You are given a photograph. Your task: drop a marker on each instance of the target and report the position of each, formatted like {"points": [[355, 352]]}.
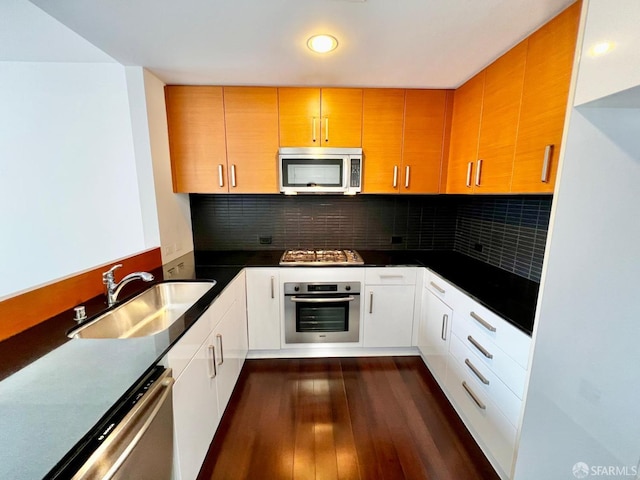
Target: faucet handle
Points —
{"points": [[108, 275]]}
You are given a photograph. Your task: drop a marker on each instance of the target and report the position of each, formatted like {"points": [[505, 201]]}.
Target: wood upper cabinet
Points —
{"points": [[465, 132], [251, 117], [195, 117], [313, 117], [382, 127], [499, 121], [426, 133], [544, 101]]}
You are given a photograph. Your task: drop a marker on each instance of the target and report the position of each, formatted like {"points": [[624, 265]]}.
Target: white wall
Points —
{"points": [[174, 213], [69, 197], [584, 386]]}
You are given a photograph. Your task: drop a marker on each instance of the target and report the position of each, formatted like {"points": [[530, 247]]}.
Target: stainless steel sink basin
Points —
{"points": [[151, 312]]}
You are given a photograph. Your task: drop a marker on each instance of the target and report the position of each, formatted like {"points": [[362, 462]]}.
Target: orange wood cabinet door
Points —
{"points": [[195, 116], [465, 132], [382, 126], [299, 117], [251, 117], [425, 132], [341, 117], [544, 101], [499, 124]]}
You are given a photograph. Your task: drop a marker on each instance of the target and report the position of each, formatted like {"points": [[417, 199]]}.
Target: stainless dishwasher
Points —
{"points": [[135, 441]]}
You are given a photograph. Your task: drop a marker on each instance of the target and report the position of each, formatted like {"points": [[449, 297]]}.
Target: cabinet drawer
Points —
{"points": [[485, 325], [488, 353], [487, 381], [442, 289], [391, 276], [481, 415]]}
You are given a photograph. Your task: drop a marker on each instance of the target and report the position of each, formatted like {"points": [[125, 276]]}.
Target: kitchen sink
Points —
{"points": [[151, 312]]}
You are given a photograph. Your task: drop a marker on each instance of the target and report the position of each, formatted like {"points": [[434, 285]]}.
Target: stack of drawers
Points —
{"points": [[486, 373]]}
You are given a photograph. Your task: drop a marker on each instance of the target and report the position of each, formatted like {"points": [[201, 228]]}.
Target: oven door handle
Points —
{"points": [[322, 300]]}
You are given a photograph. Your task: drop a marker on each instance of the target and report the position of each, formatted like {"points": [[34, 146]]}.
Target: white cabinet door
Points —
{"points": [[263, 308], [230, 337], [434, 333], [195, 412], [388, 317]]}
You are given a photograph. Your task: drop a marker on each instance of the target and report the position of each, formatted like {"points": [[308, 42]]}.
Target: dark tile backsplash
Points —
{"points": [[510, 229]]}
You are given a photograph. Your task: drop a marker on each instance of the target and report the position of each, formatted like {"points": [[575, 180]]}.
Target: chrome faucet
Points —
{"points": [[112, 289]]}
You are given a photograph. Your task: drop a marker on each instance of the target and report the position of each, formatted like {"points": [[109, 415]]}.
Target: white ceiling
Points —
{"points": [[386, 43]]}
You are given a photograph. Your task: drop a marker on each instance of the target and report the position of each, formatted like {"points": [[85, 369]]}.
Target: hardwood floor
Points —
{"points": [[342, 418]]}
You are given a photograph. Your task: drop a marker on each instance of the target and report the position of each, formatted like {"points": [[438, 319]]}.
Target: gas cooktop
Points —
{"points": [[321, 257]]}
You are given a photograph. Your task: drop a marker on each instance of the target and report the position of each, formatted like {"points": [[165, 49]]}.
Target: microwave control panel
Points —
{"points": [[355, 172]]}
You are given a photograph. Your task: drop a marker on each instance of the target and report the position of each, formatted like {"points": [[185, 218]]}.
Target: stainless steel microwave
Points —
{"points": [[320, 170]]}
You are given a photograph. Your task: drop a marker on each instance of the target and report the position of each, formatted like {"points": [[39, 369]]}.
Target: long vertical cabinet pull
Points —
{"points": [[395, 176], [212, 355], [469, 171], [313, 129], [326, 129], [371, 302], [406, 177], [445, 321], [233, 176], [548, 153], [273, 287], [478, 173], [220, 175], [219, 337]]}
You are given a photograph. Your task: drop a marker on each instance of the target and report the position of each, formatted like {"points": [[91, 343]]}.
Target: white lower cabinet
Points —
{"points": [[480, 360], [263, 308], [434, 333], [388, 316], [204, 385]]}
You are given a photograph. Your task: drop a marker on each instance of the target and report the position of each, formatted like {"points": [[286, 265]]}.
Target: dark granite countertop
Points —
{"points": [[508, 295]]}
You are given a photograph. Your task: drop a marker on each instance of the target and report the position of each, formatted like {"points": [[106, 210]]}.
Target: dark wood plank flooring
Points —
{"points": [[342, 418]]}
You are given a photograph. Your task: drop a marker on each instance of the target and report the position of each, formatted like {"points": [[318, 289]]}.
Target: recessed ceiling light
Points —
{"points": [[322, 43], [601, 48]]}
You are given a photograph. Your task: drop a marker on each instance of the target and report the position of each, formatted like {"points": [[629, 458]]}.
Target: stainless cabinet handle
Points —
{"points": [[469, 170], [480, 348], [220, 176], [273, 287], [482, 322], [437, 287], [212, 352], [478, 173], [326, 129], [233, 176], [548, 153], [475, 398], [219, 337], [406, 177], [371, 302], [313, 129], [395, 176], [322, 300], [445, 322], [477, 373]]}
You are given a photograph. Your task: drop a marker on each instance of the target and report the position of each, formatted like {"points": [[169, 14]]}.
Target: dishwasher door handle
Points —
{"points": [[111, 456]]}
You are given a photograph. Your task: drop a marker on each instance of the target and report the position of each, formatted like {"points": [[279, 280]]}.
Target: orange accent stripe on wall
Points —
{"points": [[31, 308]]}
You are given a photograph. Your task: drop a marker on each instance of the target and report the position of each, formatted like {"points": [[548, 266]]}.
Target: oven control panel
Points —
{"points": [[323, 288]]}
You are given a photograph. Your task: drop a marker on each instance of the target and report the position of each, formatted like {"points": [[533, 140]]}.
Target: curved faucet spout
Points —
{"points": [[113, 289]]}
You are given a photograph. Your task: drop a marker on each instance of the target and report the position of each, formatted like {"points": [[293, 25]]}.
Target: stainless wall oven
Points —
{"points": [[322, 312]]}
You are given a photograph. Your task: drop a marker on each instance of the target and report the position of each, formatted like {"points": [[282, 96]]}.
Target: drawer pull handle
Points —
{"points": [[480, 348], [445, 322], [482, 322], [474, 396], [437, 287], [477, 373]]}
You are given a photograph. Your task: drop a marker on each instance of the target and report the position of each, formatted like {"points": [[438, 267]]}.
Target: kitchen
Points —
{"points": [[122, 179]]}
